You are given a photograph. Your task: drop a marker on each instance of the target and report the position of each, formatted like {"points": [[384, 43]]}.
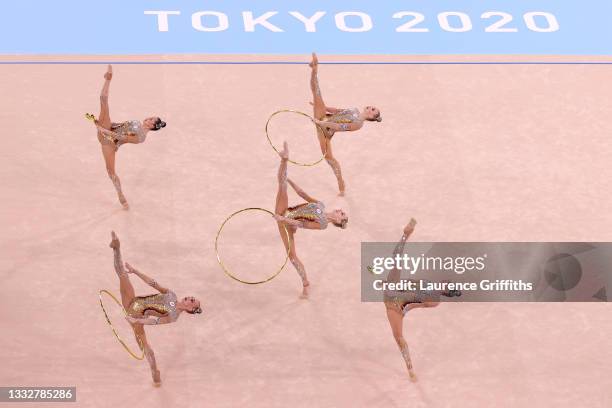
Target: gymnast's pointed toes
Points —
{"points": [[114, 241], [108, 75], [305, 292], [284, 154], [157, 378], [124, 202], [314, 61]]}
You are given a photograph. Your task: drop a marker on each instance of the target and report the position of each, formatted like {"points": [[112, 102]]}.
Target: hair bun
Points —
{"points": [[197, 310], [379, 119], [159, 124]]}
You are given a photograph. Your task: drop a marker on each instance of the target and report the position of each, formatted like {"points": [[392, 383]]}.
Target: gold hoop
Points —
{"points": [[227, 271], [104, 291], [90, 116], [299, 113]]}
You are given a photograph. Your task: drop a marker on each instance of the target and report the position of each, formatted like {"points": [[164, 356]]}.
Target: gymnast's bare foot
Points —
{"points": [[156, 378], [108, 75], [284, 154], [341, 183], [305, 291], [115, 241], [314, 63], [409, 229], [123, 201]]}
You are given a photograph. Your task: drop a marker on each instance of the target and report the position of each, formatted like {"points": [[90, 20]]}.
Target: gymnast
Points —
{"points": [[398, 303], [309, 215], [333, 120], [112, 135], [161, 308]]}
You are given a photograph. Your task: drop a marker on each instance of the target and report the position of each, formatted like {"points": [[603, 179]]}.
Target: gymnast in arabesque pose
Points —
{"points": [[309, 215], [398, 303], [160, 308], [112, 135], [332, 120]]}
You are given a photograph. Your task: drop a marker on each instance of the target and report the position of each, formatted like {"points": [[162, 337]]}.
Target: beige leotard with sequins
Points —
{"points": [[309, 212], [162, 303], [398, 300], [345, 117], [119, 132], [130, 127]]}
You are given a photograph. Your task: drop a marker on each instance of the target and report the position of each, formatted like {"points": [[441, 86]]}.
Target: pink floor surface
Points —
{"points": [[499, 153]]}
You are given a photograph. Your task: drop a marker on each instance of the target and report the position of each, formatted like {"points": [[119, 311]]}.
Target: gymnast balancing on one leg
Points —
{"points": [[161, 308], [335, 120], [399, 303], [310, 215], [112, 135]]}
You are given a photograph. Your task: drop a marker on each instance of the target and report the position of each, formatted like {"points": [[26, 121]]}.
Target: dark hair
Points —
{"points": [[197, 310], [159, 124], [341, 224]]}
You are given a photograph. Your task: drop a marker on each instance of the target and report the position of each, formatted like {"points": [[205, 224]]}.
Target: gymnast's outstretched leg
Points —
{"points": [[109, 149], [395, 314], [299, 267], [127, 296], [335, 165], [141, 338], [319, 109], [319, 112], [396, 322], [125, 286], [104, 117], [282, 203]]}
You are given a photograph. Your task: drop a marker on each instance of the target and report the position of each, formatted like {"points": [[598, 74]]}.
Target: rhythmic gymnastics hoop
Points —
{"points": [[134, 355], [227, 271], [277, 151]]}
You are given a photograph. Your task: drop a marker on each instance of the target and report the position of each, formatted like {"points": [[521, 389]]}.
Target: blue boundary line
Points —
{"points": [[301, 63]]}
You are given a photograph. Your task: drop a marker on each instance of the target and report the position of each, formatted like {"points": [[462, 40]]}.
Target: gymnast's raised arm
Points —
{"points": [[301, 192], [394, 275], [151, 282]]}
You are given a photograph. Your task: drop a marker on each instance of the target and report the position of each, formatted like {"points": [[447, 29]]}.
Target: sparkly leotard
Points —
{"points": [[309, 212], [344, 117], [398, 300], [124, 129], [162, 303]]}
